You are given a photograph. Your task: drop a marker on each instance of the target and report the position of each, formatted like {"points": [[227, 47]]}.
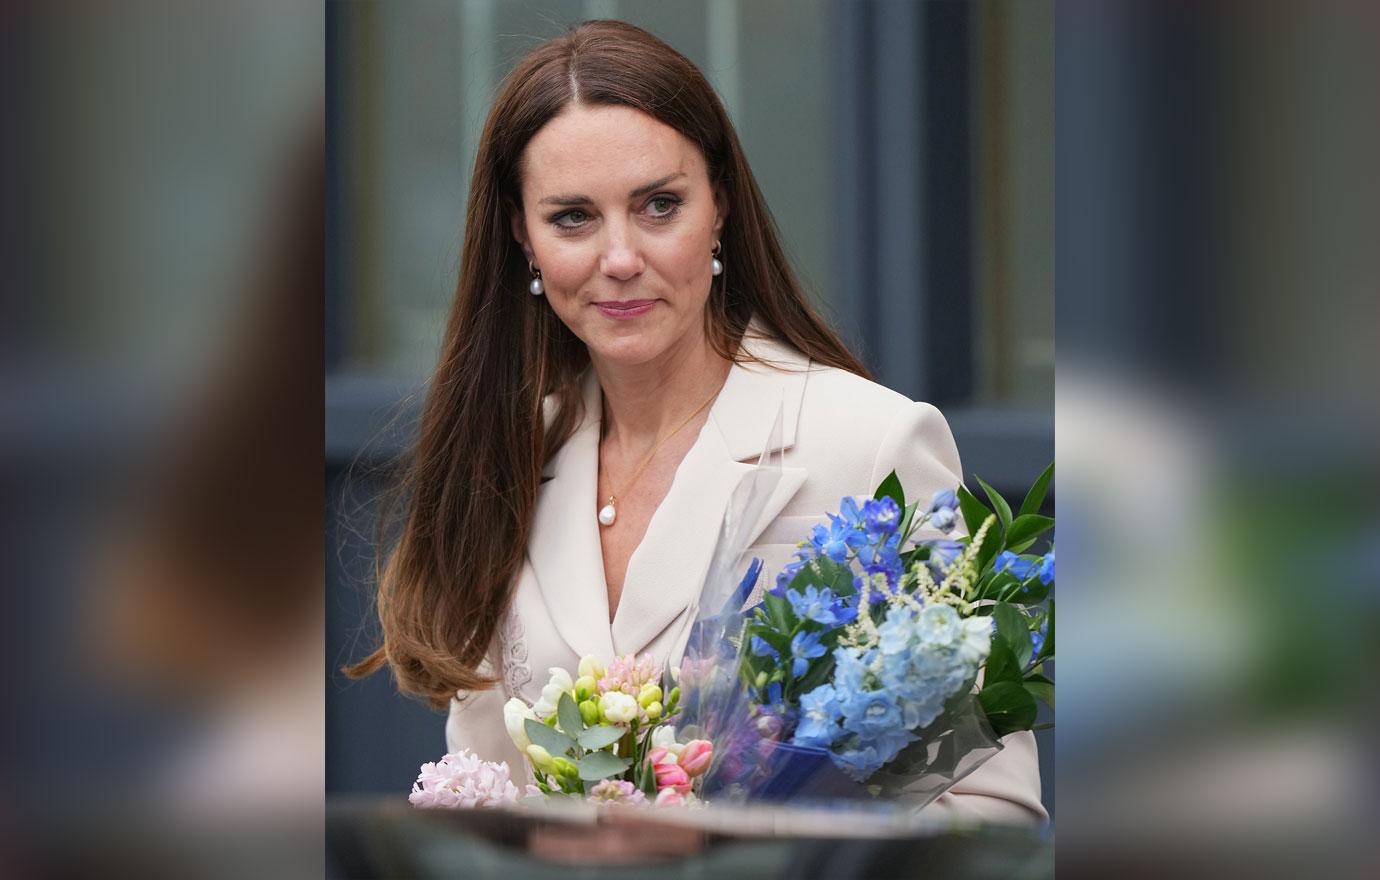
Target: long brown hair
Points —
{"points": [[470, 489]]}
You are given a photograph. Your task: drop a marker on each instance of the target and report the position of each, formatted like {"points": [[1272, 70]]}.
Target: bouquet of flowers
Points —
{"points": [[603, 736], [856, 674]]}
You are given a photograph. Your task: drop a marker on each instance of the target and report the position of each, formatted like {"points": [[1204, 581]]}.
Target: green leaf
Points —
{"points": [[999, 504], [1047, 648], [1041, 688], [601, 765], [1013, 628], [568, 714], [974, 512], [1009, 707], [779, 612], [777, 640], [1036, 496], [552, 740], [1034, 593], [838, 578], [891, 488], [602, 735], [1026, 527], [1001, 666], [907, 517]]}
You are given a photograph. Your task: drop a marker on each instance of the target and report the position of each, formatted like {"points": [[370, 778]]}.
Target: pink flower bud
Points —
{"points": [[669, 797], [696, 757], [658, 755], [672, 776]]}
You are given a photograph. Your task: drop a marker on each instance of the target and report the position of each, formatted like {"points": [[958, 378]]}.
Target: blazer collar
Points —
{"points": [[667, 570]]}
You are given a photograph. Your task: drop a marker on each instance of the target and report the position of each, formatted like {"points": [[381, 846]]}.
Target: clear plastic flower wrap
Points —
{"points": [[856, 675]]}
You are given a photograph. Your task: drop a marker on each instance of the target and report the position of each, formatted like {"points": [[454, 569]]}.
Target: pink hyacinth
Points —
{"points": [[462, 780], [611, 791], [628, 674]]}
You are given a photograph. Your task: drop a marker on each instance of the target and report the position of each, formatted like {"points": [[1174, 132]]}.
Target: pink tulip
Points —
{"points": [[669, 797], [657, 755], [672, 776], [696, 756]]}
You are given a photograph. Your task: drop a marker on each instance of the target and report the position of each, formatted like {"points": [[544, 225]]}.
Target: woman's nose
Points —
{"points": [[622, 258]]}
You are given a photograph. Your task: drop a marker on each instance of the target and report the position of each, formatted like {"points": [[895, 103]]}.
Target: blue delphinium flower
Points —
{"points": [[805, 647], [1037, 640], [880, 516], [835, 539], [814, 604], [1019, 567], [942, 556], [944, 499], [871, 714], [761, 648], [943, 520], [819, 713], [895, 633], [1047, 568]]}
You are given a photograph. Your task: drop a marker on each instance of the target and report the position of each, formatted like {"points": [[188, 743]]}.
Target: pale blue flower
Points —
{"points": [[819, 712], [1047, 568], [805, 647], [944, 499], [944, 520], [1019, 567], [895, 633], [871, 714], [814, 604]]}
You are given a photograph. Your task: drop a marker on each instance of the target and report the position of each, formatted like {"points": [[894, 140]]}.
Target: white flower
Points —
{"points": [[462, 780], [589, 665], [618, 707], [515, 712], [664, 737], [560, 683], [976, 642]]}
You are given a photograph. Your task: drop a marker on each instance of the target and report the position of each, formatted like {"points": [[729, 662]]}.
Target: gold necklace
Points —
{"points": [[609, 512]]}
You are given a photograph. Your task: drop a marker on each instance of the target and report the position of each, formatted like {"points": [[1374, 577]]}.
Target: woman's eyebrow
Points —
{"points": [[571, 201]]}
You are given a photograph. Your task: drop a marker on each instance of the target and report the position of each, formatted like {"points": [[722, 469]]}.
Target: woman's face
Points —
{"points": [[619, 215]]}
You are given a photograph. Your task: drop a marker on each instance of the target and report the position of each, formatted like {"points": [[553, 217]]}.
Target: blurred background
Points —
{"points": [[906, 151]]}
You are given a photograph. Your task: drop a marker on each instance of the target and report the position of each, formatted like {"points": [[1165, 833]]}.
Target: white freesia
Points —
{"points": [[618, 707], [665, 737], [515, 712], [560, 683]]}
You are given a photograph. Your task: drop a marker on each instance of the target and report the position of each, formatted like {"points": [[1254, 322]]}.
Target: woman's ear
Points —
{"points": [[720, 208], [519, 227]]}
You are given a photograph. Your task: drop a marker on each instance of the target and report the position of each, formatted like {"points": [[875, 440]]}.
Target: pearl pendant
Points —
{"points": [[607, 514], [716, 267], [536, 287]]}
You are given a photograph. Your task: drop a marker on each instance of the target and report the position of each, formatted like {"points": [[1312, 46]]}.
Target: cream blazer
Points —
{"points": [[841, 436]]}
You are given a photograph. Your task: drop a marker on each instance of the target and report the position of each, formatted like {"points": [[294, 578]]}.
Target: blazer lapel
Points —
{"points": [[564, 548], [667, 571]]}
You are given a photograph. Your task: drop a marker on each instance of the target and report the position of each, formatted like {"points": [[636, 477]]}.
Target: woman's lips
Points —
{"points": [[622, 311]]}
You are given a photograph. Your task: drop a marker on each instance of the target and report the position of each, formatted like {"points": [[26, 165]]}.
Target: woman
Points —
{"points": [[624, 333]]}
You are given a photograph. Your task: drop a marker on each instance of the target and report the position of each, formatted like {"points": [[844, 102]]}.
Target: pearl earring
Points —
{"points": [[536, 288], [715, 266]]}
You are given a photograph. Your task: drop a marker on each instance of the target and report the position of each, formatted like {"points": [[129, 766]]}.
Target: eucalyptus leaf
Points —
{"points": [[1009, 707], [548, 738], [891, 488], [568, 714], [601, 765], [1036, 496], [601, 735]]}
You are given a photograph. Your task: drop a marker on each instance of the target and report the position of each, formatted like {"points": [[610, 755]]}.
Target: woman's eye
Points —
{"points": [[662, 206], [571, 219]]}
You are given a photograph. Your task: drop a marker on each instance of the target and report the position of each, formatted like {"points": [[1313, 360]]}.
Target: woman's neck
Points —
{"points": [[644, 403]]}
